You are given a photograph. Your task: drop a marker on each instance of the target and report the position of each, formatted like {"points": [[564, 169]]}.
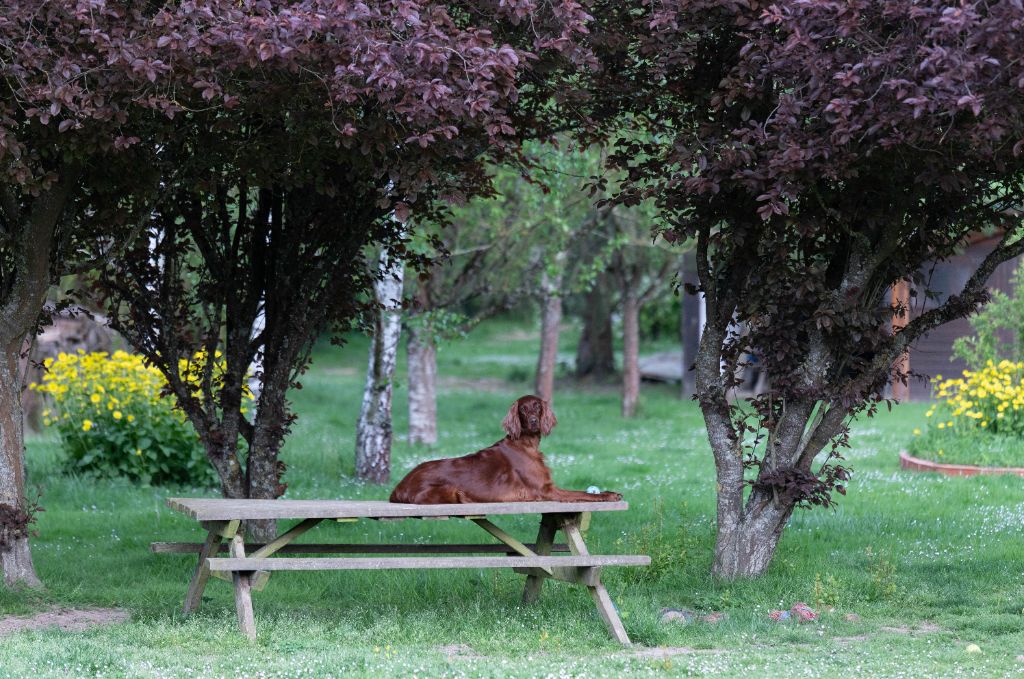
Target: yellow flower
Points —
{"points": [[86, 425], [138, 451], [917, 432], [950, 423], [942, 425], [95, 398], [131, 418], [117, 415]]}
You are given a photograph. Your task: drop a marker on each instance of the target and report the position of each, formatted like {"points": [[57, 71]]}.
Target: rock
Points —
{"points": [[803, 613], [851, 617], [973, 648], [683, 616]]}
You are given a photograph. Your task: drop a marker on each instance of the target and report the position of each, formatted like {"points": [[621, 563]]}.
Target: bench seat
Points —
{"points": [[293, 564]]}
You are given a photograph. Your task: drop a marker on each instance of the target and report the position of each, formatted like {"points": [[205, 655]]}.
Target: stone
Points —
{"points": [[682, 616]]}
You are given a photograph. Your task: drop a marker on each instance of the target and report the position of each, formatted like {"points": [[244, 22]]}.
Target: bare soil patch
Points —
{"points": [[67, 619], [919, 628], [662, 652]]}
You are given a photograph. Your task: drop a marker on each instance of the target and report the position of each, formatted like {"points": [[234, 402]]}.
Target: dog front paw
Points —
{"points": [[611, 497]]}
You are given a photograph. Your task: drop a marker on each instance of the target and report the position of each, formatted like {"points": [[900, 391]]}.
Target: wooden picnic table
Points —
{"points": [[249, 566]]}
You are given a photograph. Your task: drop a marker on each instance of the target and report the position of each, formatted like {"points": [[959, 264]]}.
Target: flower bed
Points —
{"points": [[976, 422], [916, 464]]}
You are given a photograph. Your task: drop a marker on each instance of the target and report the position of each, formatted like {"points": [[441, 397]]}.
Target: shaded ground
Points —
{"points": [[66, 619]]}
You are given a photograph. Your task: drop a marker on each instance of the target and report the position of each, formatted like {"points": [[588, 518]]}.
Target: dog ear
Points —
{"points": [[547, 418], [511, 423]]}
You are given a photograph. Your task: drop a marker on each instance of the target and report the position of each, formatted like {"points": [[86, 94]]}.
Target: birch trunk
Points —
{"points": [[374, 430], [422, 376], [630, 350], [551, 319]]}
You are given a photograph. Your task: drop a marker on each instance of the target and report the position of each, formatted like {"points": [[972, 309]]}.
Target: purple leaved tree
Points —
{"points": [[818, 153], [309, 133]]}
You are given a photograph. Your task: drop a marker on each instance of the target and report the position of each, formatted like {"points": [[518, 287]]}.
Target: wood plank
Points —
{"points": [[605, 607], [284, 538], [259, 580], [243, 596], [329, 564], [509, 540], [545, 537], [201, 574], [218, 509], [377, 548], [575, 576]]}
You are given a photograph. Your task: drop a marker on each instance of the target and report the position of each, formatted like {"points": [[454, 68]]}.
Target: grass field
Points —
{"points": [[928, 564]]}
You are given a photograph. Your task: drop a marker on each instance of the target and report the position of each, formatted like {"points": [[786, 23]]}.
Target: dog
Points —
{"points": [[512, 470]]}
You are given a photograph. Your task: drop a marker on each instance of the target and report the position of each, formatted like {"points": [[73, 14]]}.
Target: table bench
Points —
{"points": [[248, 567]]}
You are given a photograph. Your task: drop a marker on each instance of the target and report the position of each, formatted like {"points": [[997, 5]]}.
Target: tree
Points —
{"points": [[341, 121], [499, 250], [483, 262], [643, 268], [818, 153], [79, 93], [373, 429]]}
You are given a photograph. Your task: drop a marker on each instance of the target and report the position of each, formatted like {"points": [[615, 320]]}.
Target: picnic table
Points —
{"points": [[248, 566]]}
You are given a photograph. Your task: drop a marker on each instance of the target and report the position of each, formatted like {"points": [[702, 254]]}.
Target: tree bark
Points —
{"points": [[374, 430], [595, 355], [26, 294], [630, 347], [16, 558], [270, 425], [422, 376], [551, 319], [745, 550]]}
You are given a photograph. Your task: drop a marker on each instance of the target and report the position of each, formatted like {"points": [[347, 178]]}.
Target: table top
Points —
{"points": [[210, 509]]}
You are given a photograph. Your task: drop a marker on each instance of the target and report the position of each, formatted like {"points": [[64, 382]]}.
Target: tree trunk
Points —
{"points": [[25, 284], [551, 319], [595, 355], [690, 324], [270, 426], [16, 557], [630, 348], [422, 376], [745, 550], [374, 431]]}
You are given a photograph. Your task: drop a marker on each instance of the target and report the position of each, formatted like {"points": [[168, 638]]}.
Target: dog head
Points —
{"points": [[530, 416]]}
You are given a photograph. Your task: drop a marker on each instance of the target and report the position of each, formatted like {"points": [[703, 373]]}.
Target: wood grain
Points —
{"points": [[213, 509], [358, 563]]}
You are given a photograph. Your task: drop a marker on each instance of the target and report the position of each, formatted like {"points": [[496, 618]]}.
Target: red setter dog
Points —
{"points": [[512, 470]]}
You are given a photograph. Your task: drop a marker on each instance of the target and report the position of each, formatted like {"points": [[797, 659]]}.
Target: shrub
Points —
{"points": [[114, 419], [998, 328], [991, 398], [977, 418]]}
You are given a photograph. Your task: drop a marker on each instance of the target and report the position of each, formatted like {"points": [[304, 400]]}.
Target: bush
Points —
{"points": [[998, 328], [991, 399], [977, 418], [114, 420]]}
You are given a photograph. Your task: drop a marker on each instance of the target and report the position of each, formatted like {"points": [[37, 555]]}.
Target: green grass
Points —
{"points": [[928, 563], [969, 445]]}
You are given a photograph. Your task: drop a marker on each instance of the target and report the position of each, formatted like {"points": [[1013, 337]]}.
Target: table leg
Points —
{"points": [[545, 538], [218, 531], [602, 600], [243, 595]]}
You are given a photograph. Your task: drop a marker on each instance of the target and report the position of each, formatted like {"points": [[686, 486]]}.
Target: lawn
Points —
{"points": [[927, 564]]}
